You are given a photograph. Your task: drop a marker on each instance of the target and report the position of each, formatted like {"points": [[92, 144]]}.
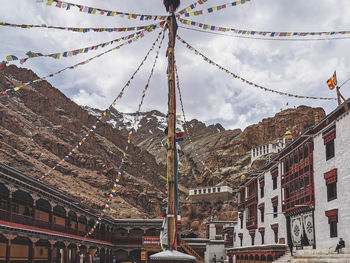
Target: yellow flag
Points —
{"points": [[113, 13], [49, 2], [94, 11]]}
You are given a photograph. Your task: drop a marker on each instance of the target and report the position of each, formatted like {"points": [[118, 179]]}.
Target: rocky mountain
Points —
{"points": [[40, 125]]}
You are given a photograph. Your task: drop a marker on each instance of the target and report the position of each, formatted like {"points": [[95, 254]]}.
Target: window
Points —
{"points": [[261, 191], [332, 191], [3, 204], [333, 221], [199, 191], [333, 229], [275, 231], [274, 180], [209, 191], [241, 238], [276, 236], [204, 191], [275, 212], [262, 215], [253, 238], [195, 192], [328, 138], [218, 189], [330, 150], [15, 207], [331, 182], [262, 238]]}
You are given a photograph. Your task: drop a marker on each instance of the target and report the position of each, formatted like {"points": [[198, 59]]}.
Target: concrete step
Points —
{"points": [[319, 260], [330, 256]]}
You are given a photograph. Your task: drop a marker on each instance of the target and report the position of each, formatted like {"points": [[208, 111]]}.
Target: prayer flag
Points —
{"points": [[332, 82]]}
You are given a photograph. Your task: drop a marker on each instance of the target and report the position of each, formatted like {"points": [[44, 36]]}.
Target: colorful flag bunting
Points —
{"points": [[72, 67], [80, 30], [260, 33], [191, 7], [247, 81], [134, 127], [65, 54], [93, 10], [187, 13]]}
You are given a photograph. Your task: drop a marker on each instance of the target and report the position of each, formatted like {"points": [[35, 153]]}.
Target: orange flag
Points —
{"points": [[332, 82]]}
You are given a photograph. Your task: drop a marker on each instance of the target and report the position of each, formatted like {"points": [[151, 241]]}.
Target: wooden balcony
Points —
{"points": [[30, 221], [252, 222]]}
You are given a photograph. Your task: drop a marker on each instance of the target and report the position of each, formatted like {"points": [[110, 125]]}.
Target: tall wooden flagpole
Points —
{"points": [[171, 215]]}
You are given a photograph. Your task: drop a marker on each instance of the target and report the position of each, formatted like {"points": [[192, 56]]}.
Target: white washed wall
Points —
{"points": [[341, 161], [269, 219]]}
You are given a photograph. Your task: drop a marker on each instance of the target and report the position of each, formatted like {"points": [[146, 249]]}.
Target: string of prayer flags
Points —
{"points": [[206, 59], [94, 10], [80, 29], [75, 52], [259, 33], [103, 114], [188, 134], [214, 8], [124, 159], [130, 41], [332, 82], [191, 7]]}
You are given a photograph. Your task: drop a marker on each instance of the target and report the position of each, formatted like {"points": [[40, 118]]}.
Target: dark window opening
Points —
{"points": [[274, 183], [262, 192], [242, 223], [3, 204], [262, 239], [332, 191], [276, 237], [275, 211], [253, 239], [333, 228], [330, 150], [262, 215]]}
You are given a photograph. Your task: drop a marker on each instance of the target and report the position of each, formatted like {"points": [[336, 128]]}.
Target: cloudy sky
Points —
{"points": [[210, 95]]}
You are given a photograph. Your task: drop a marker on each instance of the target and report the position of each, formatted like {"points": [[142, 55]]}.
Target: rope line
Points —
{"points": [[206, 59]]}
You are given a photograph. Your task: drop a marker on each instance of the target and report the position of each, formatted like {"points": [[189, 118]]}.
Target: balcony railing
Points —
{"points": [[30, 221], [251, 199], [251, 222]]}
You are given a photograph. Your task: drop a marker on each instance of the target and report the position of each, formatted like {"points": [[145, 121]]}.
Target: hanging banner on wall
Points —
{"points": [[214, 8], [206, 59], [79, 29], [94, 10], [124, 159], [259, 33], [130, 41], [309, 227], [76, 52], [296, 229]]}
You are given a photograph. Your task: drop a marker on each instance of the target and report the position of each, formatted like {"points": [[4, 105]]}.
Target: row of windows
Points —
{"points": [[261, 150], [209, 190], [262, 238], [297, 157]]}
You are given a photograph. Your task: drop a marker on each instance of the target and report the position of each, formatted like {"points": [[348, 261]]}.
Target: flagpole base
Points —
{"points": [[172, 256]]}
